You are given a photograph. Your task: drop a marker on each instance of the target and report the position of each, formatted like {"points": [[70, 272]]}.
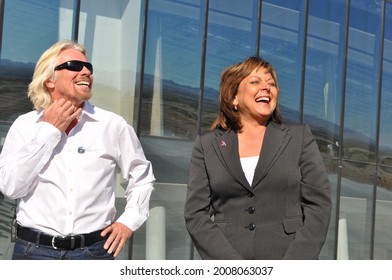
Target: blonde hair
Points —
{"points": [[44, 70], [228, 118]]}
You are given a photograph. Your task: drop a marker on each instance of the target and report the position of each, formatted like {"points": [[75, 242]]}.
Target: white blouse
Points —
{"points": [[249, 166]]}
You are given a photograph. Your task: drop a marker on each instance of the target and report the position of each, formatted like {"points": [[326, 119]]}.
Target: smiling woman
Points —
{"points": [[266, 187], [250, 80], [256, 97]]}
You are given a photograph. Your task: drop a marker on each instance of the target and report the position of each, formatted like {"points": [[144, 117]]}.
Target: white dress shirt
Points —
{"points": [[66, 183]]}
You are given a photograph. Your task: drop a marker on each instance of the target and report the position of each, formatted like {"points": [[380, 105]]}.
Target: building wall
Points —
{"points": [[158, 64]]}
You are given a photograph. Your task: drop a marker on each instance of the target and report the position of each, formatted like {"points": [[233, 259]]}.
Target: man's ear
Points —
{"points": [[49, 84]]}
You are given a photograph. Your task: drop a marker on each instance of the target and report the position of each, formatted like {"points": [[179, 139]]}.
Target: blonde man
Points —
{"points": [[60, 161]]}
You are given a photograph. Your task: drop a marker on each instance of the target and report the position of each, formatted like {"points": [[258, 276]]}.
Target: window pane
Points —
{"points": [[231, 38], [385, 152], [171, 88], [115, 63], [111, 35], [328, 250], [383, 242], [355, 218], [323, 77], [172, 69], [29, 27], [281, 43], [383, 220], [362, 82], [170, 100]]}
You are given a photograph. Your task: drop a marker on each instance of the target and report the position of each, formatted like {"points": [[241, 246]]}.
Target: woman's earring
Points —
{"points": [[235, 108]]}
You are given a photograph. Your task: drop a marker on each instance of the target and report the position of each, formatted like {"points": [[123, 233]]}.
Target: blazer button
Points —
{"points": [[251, 227], [250, 194], [251, 210]]}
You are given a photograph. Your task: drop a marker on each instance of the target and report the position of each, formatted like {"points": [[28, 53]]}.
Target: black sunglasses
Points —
{"points": [[75, 65]]}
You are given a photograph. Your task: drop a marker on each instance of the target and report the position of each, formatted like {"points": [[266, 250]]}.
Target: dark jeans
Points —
{"points": [[25, 250]]}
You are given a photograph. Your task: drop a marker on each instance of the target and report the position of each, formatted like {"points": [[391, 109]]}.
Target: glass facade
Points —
{"points": [[158, 64]]}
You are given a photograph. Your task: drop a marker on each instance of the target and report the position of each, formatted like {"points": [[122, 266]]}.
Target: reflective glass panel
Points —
{"points": [[383, 242], [170, 91], [231, 38], [172, 69], [328, 250], [355, 216], [383, 218], [385, 152], [281, 43], [29, 27], [323, 75], [362, 82], [111, 35], [170, 95]]}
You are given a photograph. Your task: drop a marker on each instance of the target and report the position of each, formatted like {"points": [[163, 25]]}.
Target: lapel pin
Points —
{"points": [[223, 143]]}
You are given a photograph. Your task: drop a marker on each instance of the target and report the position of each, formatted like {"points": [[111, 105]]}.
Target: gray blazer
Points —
{"points": [[284, 214]]}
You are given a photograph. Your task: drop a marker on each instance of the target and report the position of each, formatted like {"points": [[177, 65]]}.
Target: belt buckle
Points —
{"points": [[65, 238], [53, 241]]}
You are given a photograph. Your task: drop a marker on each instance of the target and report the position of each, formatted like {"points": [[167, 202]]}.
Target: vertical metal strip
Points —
{"points": [[203, 66], [139, 96], [303, 62], [258, 31], [2, 4], [377, 136], [341, 133], [75, 23], [142, 64]]}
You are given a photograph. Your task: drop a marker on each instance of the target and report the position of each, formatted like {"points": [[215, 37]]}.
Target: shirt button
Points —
{"points": [[251, 227], [251, 210], [69, 212]]}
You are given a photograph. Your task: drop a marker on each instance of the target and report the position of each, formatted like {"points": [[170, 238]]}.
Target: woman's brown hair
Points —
{"points": [[228, 118]]}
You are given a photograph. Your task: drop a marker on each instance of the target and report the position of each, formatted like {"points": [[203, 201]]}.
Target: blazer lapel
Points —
{"points": [[275, 141], [226, 147]]}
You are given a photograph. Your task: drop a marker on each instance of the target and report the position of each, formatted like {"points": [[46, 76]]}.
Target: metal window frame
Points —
{"points": [[2, 4]]}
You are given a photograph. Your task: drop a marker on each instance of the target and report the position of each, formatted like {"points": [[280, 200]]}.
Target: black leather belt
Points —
{"points": [[59, 242]]}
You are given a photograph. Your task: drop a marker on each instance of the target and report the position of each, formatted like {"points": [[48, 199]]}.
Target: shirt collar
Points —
{"points": [[88, 110]]}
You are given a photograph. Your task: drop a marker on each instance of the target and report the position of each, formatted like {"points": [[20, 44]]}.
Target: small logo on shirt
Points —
{"points": [[81, 150]]}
